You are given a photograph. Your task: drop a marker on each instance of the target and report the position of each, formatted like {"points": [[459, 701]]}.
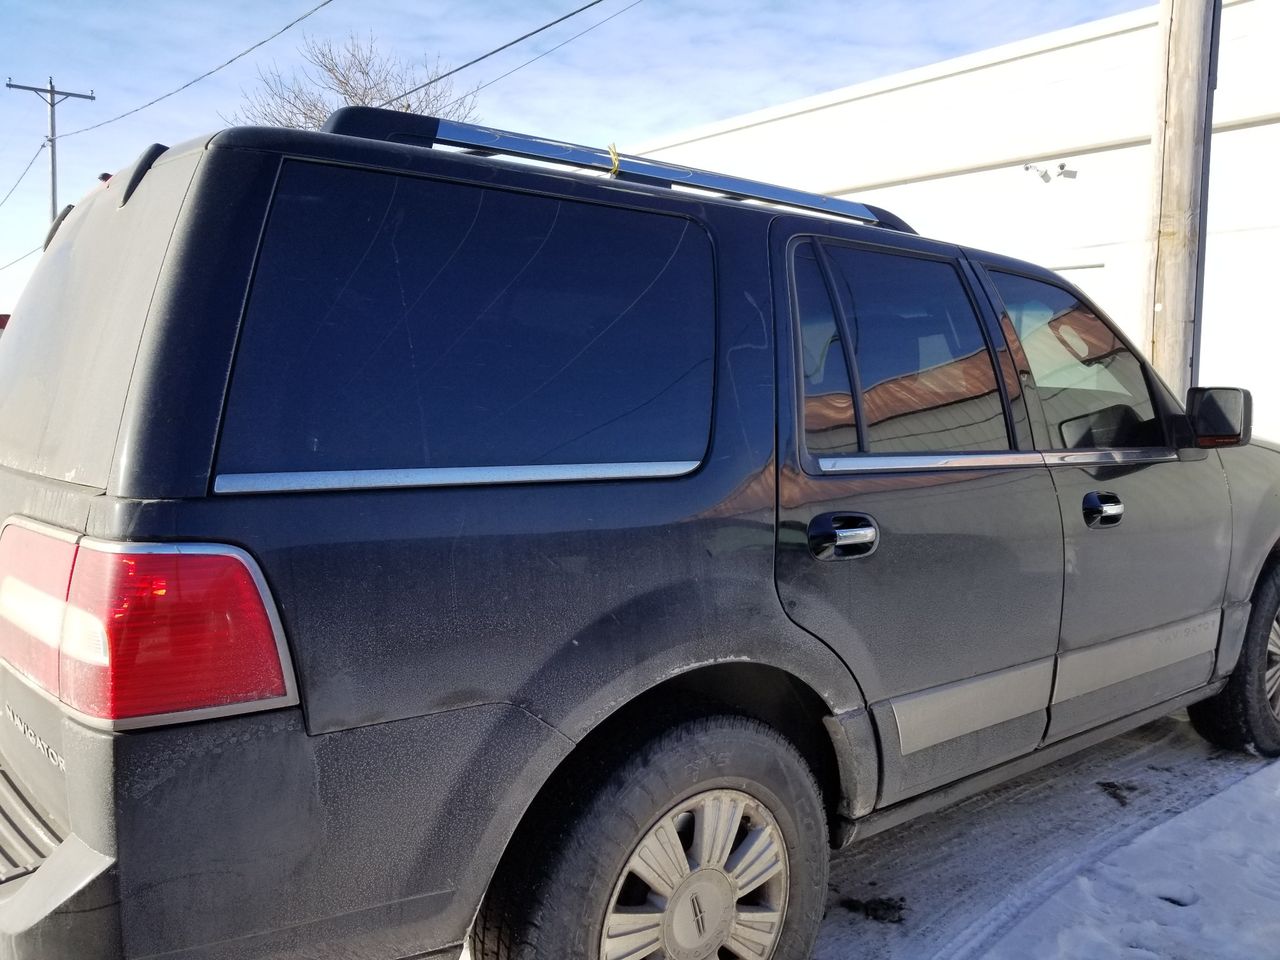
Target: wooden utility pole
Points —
{"points": [[52, 96], [1180, 143]]}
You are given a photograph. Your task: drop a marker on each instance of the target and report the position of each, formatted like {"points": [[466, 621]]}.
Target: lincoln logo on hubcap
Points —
{"points": [[699, 916]]}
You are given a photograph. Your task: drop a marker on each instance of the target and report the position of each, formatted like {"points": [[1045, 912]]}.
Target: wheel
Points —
{"points": [[709, 842], [1245, 715]]}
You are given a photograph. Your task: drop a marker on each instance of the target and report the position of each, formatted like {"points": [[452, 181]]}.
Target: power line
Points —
{"points": [[21, 258], [203, 76], [52, 97], [490, 83], [495, 50], [25, 171]]}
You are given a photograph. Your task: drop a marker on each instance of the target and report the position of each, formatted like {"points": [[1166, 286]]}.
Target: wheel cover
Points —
{"points": [[1271, 678], [708, 880]]}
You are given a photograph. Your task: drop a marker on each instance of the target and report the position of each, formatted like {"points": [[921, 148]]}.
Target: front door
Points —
{"points": [[1146, 527], [915, 538]]}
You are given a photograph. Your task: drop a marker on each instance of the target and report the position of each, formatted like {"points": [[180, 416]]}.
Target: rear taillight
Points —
{"points": [[129, 632]]}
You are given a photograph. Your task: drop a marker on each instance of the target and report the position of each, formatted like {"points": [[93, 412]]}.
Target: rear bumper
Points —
{"points": [[248, 839], [67, 908]]}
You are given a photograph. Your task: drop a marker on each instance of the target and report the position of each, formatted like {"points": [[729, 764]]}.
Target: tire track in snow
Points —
{"points": [[971, 872]]}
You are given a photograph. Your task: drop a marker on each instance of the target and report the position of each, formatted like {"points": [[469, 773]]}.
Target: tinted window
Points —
{"points": [[928, 383], [399, 322], [828, 401], [1090, 385]]}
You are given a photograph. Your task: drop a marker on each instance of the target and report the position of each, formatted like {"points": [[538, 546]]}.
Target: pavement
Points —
{"points": [[1151, 845]]}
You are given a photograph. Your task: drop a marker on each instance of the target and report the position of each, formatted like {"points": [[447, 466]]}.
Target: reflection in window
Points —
{"points": [[1091, 387], [927, 378], [828, 401]]}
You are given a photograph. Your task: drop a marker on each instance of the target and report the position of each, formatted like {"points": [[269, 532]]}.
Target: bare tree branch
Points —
{"points": [[352, 72]]}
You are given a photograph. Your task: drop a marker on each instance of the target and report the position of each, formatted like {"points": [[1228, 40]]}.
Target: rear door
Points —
{"points": [[66, 363], [1146, 527], [919, 532]]}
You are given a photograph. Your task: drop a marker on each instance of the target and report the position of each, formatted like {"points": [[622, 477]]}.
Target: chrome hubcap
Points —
{"points": [[1272, 675], [708, 881]]}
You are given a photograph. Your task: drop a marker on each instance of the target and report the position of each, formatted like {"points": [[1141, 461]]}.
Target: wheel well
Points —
{"points": [[1271, 560], [771, 696], [764, 693]]}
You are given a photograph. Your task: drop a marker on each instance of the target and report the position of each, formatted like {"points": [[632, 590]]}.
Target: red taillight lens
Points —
{"points": [[121, 632], [149, 633], [35, 569]]}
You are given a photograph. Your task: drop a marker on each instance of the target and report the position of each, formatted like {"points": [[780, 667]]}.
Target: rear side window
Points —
{"points": [[1091, 386], [408, 323], [927, 378]]}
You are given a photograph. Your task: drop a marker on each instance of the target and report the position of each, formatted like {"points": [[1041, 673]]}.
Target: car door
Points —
{"points": [[1146, 527], [915, 538]]}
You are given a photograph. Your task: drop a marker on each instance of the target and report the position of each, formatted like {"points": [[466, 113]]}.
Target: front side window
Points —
{"points": [[1091, 386], [399, 322], [927, 379]]}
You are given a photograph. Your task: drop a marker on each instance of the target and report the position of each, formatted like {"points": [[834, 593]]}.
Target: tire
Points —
{"points": [[619, 848], [1243, 716]]}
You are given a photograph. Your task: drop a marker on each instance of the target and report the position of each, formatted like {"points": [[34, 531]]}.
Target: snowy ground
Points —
{"points": [[1151, 845]]}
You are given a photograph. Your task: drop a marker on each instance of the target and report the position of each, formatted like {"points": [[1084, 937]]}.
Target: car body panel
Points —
{"points": [[453, 645], [964, 584]]}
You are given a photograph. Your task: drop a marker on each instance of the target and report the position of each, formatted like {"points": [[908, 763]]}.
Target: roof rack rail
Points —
{"points": [[401, 127]]}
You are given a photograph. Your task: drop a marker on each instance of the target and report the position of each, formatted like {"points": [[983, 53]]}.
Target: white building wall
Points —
{"points": [[945, 146]]}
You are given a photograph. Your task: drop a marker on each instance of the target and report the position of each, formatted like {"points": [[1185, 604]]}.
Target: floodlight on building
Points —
{"points": [[1041, 172]]}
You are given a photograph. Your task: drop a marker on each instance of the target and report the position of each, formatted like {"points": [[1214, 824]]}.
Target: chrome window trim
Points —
{"points": [[1126, 455], [872, 463], [290, 698], [314, 480]]}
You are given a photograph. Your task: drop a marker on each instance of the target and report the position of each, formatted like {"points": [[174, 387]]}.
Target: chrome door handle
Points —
{"points": [[843, 536], [856, 536], [1102, 509]]}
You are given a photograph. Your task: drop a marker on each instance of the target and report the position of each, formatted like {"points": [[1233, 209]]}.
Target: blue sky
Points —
{"points": [[654, 69]]}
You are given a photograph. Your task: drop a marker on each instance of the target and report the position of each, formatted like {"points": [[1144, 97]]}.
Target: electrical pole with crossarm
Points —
{"points": [[52, 96]]}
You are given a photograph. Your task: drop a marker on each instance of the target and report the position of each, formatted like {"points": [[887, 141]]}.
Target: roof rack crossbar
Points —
{"points": [[396, 125]]}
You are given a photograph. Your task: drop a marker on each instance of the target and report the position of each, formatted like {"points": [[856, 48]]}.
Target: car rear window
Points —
{"points": [[400, 322], [67, 355]]}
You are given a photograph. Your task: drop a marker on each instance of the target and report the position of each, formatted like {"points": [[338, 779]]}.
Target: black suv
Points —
{"points": [[409, 544]]}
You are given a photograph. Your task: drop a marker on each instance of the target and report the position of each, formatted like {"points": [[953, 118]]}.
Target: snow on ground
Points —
{"points": [[1088, 858], [1204, 884]]}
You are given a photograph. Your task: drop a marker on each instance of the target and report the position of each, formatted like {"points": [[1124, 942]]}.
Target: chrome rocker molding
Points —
{"points": [[1092, 668], [899, 813], [445, 476], [931, 717]]}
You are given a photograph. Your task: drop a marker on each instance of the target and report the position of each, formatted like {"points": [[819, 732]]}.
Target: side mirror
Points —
{"points": [[1220, 416]]}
